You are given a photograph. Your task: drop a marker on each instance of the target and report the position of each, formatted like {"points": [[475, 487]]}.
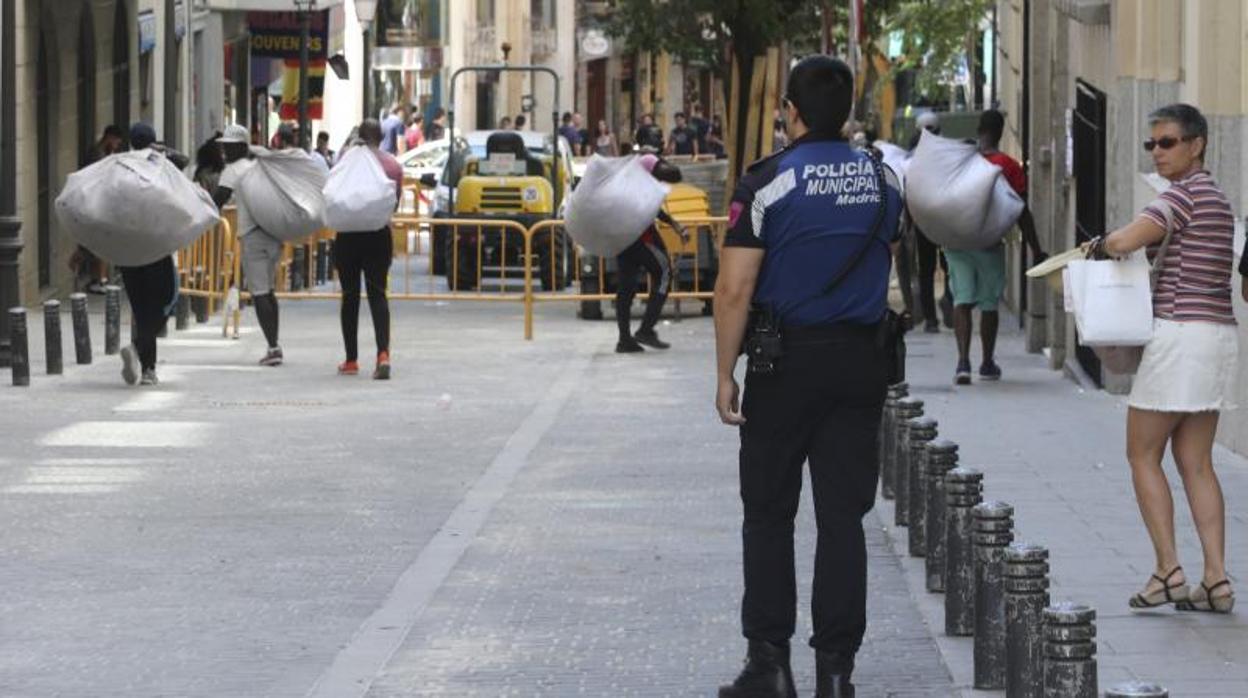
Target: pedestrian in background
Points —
{"points": [[209, 163], [261, 251], [322, 148], [571, 133], [919, 251], [416, 131], [700, 125], [152, 288], [684, 139], [650, 254], [648, 135], [521, 122], [977, 277], [1187, 375], [604, 141], [367, 254], [815, 269], [504, 124], [394, 131], [90, 270], [437, 128]]}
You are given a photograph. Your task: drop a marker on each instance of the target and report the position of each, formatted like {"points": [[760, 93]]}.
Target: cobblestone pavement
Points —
{"points": [[503, 518], [1056, 452]]}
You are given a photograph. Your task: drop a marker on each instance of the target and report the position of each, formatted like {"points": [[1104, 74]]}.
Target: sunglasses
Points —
{"points": [[1165, 142]]}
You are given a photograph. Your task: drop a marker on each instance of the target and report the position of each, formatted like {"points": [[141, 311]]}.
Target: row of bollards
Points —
{"points": [[53, 345], [996, 590]]}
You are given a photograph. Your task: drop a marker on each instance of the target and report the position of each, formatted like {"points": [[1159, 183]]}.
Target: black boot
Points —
{"points": [[832, 672], [766, 674]]}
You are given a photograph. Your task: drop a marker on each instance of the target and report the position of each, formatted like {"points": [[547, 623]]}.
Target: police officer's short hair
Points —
{"points": [[821, 88]]}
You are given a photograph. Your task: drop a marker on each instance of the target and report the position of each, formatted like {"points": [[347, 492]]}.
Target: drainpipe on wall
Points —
{"points": [[10, 224]]}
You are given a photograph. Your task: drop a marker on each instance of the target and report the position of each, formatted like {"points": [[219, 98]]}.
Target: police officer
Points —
{"points": [[805, 270]]}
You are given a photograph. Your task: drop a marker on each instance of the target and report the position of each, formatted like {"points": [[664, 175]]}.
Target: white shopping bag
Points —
{"points": [[613, 205], [134, 208], [283, 193], [1112, 300], [359, 197], [959, 199]]}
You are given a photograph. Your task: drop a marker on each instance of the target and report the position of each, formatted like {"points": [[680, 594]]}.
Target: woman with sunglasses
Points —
{"points": [[1187, 374]]}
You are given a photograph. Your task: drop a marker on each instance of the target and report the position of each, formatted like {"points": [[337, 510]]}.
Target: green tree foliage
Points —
{"points": [[935, 35]]}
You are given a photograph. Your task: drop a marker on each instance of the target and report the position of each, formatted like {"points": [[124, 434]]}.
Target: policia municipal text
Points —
{"points": [[813, 262]]}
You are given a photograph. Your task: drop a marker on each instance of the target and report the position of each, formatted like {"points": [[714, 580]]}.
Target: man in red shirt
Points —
{"points": [[978, 277]]}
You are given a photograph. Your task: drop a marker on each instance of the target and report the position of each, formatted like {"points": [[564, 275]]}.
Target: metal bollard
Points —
{"points": [[182, 312], [82, 327], [962, 491], [19, 346], [1137, 689], [322, 257], [1026, 570], [922, 432], [907, 409], [1069, 651], [112, 320], [200, 303], [888, 418], [942, 456], [52, 337], [994, 529], [298, 264]]}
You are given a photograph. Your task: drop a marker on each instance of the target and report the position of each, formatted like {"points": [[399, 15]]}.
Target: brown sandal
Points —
{"points": [[1206, 601], [1167, 594]]}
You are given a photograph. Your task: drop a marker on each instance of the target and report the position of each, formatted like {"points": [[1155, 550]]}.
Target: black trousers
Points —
{"points": [[152, 290], [368, 255], [653, 258], [823, 407]]}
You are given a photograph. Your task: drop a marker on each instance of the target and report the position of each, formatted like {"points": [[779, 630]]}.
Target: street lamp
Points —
{"points": [[365, 12], [305, 37]]}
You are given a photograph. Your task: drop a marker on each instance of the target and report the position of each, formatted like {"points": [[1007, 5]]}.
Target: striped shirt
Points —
{"points": [[1194, 283]]}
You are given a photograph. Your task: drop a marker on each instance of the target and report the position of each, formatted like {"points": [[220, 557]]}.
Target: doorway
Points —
{"points": [[43, 137], [86, 86], [1088, 126], [121, 66], [596, 96]]}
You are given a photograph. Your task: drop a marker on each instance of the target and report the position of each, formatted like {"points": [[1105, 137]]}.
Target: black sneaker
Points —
{"points": [[130, 364], [963, 374], [273, 357], [651, 339], [628, 346], [989, 371]]}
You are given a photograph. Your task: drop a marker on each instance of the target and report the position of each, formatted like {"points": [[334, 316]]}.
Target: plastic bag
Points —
{"points": [[283, 192], [1112, 301], [359, 197], [613, 205], [134, 208], [958, 199]]}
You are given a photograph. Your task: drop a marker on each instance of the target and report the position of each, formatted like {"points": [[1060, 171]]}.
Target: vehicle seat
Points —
{"points": [[512, 142]]}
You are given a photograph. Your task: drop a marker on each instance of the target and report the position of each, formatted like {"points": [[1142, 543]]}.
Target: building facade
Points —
{"points": [[1078, 79]]}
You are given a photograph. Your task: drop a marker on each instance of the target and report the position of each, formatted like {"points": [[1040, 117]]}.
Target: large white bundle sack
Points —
{"points": [[134, 208], [897, 159], [359, 197], [283, 192], [616, 200], [1112, 301], [959, 199]]}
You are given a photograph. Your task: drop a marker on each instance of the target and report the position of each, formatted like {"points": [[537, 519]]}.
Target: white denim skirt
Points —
{"points": [[1187, 367]]}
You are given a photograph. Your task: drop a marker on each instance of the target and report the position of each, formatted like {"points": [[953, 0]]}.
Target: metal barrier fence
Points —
{"points": [[482, 260]]}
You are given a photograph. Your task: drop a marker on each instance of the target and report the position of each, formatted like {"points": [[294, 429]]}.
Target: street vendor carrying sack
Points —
{"points": [[135, 209], [251, 190]]}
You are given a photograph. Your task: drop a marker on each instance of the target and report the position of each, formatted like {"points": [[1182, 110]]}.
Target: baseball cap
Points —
{"points": [[141, 135], [235, 133], [929, 120]]}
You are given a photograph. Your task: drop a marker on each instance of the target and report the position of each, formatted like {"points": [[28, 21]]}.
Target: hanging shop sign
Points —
{"points": [[289, 110], [279, 34], [147, 31]]}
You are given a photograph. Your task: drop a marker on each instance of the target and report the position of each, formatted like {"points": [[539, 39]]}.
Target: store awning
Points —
{"points": [[269, 5]]}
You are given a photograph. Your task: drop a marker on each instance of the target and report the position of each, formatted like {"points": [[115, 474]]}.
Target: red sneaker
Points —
{"points": [[349, 368]]}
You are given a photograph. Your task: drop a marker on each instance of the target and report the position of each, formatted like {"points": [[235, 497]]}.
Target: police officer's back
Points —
{"points": [[809, 249]]}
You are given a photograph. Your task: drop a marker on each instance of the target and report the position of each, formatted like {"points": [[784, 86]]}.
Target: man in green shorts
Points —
{"points": [[977, 277]]}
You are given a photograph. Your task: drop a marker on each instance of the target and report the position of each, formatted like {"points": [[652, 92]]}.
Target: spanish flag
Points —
{"points": [[290, 89]]}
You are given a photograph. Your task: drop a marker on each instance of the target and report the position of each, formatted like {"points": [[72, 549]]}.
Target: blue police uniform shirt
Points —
{"points": [[809, 207]]}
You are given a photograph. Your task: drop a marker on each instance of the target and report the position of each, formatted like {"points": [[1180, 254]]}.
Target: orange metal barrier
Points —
{"points": [[486, 260]]}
